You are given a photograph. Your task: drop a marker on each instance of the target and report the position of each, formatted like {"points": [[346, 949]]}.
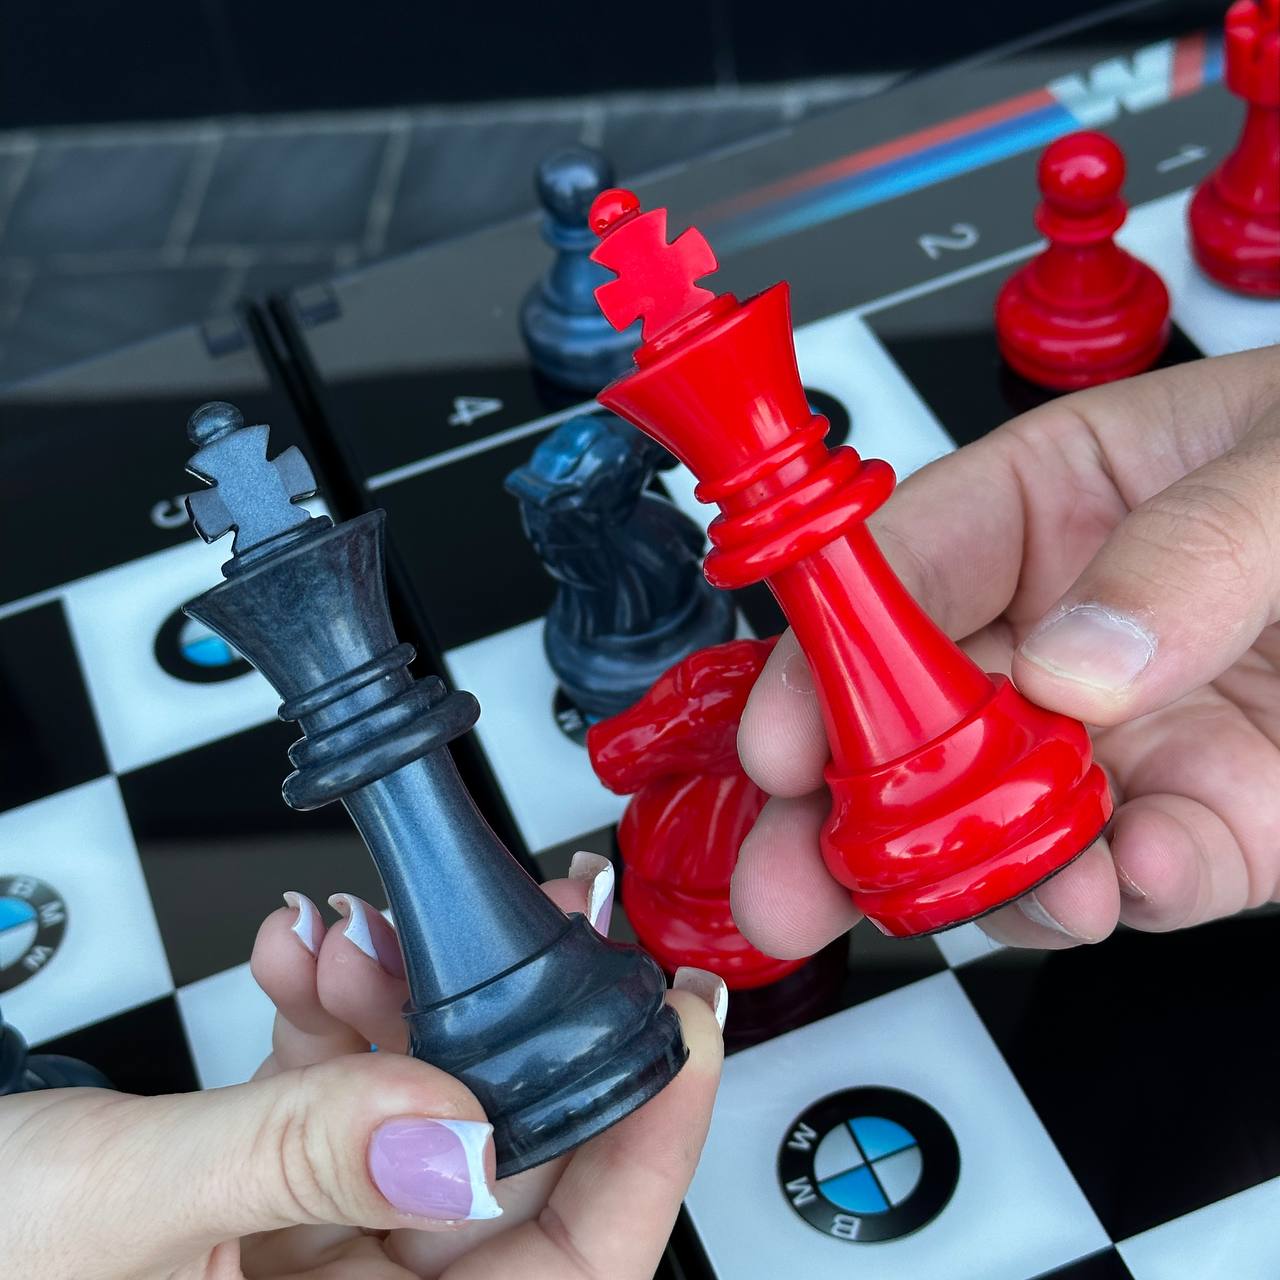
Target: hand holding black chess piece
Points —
{"points": [[558, 1032]]}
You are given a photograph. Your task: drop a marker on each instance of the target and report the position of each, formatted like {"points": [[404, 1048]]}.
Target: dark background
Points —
{"points": [[66, 62]]}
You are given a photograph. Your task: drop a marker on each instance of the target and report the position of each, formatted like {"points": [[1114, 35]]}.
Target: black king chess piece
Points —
{"points": [[557, 1031], [23, 1072]]}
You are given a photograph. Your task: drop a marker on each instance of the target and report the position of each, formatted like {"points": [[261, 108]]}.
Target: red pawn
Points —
{"points": [[1235, 214], [676, 753], [1083, 311]]}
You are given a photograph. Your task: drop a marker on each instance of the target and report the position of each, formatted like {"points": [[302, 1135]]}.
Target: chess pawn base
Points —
{"points": [[1065, 348], [576, 351]]}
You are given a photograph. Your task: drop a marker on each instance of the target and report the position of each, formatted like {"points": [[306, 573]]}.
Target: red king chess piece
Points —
{"points": [[1235, 213], [1082, 311], [951, 793], [675, 752]]}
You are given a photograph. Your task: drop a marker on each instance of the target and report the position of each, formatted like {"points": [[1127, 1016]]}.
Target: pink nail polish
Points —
{"points": [[434, 1168]]}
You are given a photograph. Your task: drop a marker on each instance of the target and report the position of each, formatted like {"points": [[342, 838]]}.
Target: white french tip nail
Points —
{"points": [[598, 871], [304, 927], [357, 930], [474, 1136], [1034, 910], [706, 986]]}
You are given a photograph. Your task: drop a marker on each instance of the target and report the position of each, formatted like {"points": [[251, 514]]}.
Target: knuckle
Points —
{"points": [[1211, 525], [302, 1172]]}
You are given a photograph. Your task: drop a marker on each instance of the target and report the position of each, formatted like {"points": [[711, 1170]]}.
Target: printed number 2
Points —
{"points": [[466, 409], [963, 235]]}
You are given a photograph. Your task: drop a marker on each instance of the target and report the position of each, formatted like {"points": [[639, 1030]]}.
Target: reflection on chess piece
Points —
{"points": [[1235, 213], [631, 599], [951, 793], [676, 754], [568, 339], [1082, 311], [24, 1072], [557, 1031]]}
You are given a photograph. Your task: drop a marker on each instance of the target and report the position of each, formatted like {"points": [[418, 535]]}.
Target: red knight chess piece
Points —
{"points": [[676, 754], [951, 793], [1235, 214]]}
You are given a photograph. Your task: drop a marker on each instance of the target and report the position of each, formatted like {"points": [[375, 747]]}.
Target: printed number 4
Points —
{"points": [[963, 235], [466, 409]]}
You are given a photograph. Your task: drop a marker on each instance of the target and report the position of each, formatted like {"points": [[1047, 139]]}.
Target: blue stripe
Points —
{"points": [[897, 177], [1214, 60]]}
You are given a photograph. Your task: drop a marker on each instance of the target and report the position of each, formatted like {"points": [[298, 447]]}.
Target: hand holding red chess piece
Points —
{"points": [[951, 793]]}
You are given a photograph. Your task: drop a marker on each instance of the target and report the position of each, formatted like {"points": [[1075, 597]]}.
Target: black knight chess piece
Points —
{"points": [[556, 1030], [631, 600]]}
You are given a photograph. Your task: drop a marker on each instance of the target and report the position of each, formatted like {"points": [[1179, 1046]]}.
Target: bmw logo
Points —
{"points": [[33, 918], [189, 651], [869, 1164]]}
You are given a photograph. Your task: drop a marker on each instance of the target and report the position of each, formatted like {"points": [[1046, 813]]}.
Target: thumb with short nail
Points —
{"points": [[1177, 594], [116, 1186]]}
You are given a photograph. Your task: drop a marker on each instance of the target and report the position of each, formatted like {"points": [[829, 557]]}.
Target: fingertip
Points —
{"points": [[1160, 864], [782, 896], [781, 739], [1080, 904]]}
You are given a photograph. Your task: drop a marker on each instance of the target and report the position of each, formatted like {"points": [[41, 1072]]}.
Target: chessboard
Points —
{"points": [[1100, 1113]]}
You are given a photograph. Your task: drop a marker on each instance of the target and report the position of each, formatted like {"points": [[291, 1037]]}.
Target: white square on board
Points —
{"points": [[228, 1020], [111, 957], [1015, 1212]]}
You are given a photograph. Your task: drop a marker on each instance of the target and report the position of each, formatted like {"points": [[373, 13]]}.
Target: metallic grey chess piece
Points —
{"points": [[567, 337], [557, 1031], [24, 1072]]}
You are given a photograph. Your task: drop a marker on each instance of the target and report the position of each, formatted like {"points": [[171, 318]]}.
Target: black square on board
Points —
{"points": [[1151, 1059], [1107, 1265], [219, 847], [142, 1051], [48, 735]]}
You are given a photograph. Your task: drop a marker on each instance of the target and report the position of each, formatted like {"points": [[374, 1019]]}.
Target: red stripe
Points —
{"points": [[1188, 64], [908, 144]]}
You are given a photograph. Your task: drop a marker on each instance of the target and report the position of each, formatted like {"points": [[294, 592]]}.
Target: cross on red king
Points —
{"points": [[951, 793]]}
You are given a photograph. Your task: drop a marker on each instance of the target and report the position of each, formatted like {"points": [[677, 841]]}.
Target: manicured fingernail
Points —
{"points": [[1034, 910], [706, 986], [434, 1168], [1092, 645], [597, 870], [368, 931], [797, 675], [306, 924], [1128, 887]]}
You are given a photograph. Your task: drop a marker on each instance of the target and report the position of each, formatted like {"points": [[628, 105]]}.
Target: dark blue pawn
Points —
{"points": [[568, 338], [632, 600], [21, 1072]]}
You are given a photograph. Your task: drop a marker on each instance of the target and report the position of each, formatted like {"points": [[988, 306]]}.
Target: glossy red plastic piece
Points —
{"points": [[1082, 311], [951, 793], [676, 753], [1235, 213]]}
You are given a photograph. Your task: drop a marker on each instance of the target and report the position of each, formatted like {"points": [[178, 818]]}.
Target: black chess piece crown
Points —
{"points": [[24, 1072], [557, 1031]]}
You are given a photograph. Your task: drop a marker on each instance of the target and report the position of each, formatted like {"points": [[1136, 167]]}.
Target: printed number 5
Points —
{"points": [[963, 235]]}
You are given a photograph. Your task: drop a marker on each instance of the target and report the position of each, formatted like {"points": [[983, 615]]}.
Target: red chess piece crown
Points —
{"points": [[1235, 213], [951, 793], [1082, 311], [675, 752]]}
